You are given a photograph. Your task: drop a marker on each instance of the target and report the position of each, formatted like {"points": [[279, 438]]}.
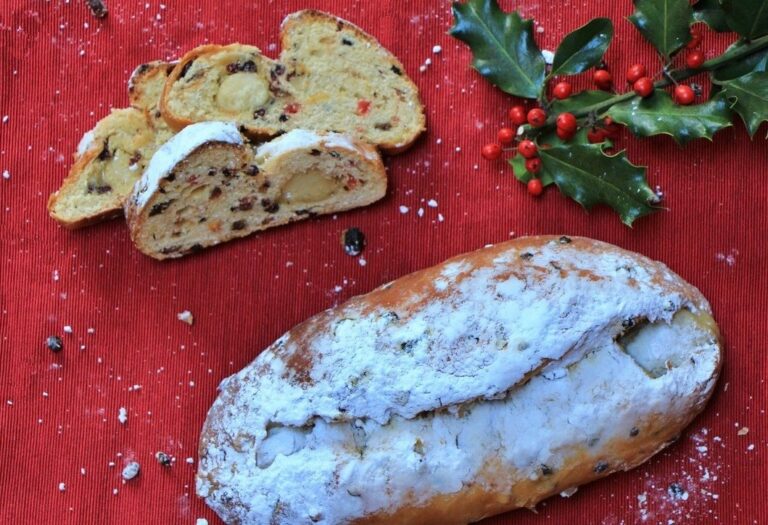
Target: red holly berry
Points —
{"points": [[565, 134], [684, 95], [533, 165], [695, 59], [535, 187], [611, 129], [491, 151], [695, 38], [635, 72], [527, 148], [595, 136], [643, 86], [518, 115], [537, 117], [566, 121], [506, 135], [603, 79], [562, 90]]}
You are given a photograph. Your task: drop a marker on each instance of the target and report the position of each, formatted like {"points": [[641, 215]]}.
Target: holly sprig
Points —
{"points": [[566, 140]]}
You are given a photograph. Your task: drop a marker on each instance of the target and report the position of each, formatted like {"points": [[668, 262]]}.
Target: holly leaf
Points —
{"points": [[711, 13], [590, 177], [580, 101], [583, 48], [664, 23], [748, 96], [502, 45], [749, 18], [751, 63], [659, 115]]}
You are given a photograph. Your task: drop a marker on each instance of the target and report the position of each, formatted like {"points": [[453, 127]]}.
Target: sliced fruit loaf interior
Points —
{"points": [[208, 185], [112, 156], [331, 75]]}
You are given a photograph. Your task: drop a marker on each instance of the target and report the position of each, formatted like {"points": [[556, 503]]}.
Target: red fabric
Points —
{"points": [[62, 70]]}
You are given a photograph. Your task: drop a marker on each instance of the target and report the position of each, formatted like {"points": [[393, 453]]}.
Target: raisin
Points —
{"points": [[314, 152], [259, 113], [564, 240], [215, 193], [159, 208], [100, 189], [249, 66], [383, 126], [634, 431], [546, 470], [164, 459], [98, 8], [269, 206], [353, 241], [245, 204], [627, 323], [105, 154], [195, 248], [335, 154], [238, 225], [283, 117], [339, 25], [211, 172], [134, 159], [170, 177], [276, 71], [252, 170], [397, 71], [227, 172], [185, 68], [601, 466], [347, 42], [170, 249], [141, 69], [54, 343], [526, 256]]}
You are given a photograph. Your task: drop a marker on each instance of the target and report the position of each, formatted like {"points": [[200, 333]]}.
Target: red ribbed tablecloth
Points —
{"points": [[62, 69]]}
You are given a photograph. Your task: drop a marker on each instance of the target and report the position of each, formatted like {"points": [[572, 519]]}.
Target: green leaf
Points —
{"points": [[583, 48], [711, 13], [579, 101], [502, 45], [589, 176], [664, 23], [518, 168], [748, 96], [749, 18], [659, 115], [751, 63]]}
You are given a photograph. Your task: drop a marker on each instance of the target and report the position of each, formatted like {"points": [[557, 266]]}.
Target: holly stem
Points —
{"points": [[675, 75]]}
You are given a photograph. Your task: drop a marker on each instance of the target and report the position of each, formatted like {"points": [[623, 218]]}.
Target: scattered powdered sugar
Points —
{"points": [[131, 470], [186, 317], [432, 203], [727, 258], [688, 494], [403, 209], [6, 174], [62, 486], [122, 415]]}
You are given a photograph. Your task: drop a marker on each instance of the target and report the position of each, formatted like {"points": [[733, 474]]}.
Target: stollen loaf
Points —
{"points": [[481, 385]]}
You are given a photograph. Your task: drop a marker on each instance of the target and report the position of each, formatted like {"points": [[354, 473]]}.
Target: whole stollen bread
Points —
{"points": [[481, 385]]}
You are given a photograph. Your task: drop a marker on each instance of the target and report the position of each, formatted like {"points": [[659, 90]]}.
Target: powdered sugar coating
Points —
{"points": [[299, 139], [176, 150], [324, 428]]}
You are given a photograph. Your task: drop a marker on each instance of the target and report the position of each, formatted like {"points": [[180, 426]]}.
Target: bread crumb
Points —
{"points": [[190, 461], [122, 415], [114, 492], [91, 331], [5, 119], [751, 446], [131, 470], [186, 317], [432, 203], [201, 521], [362, 261], [62, 487], [437, 49], [420, 212], [440, 217], [82, 471], [67, 329], [743, 431], [6, 174]]}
